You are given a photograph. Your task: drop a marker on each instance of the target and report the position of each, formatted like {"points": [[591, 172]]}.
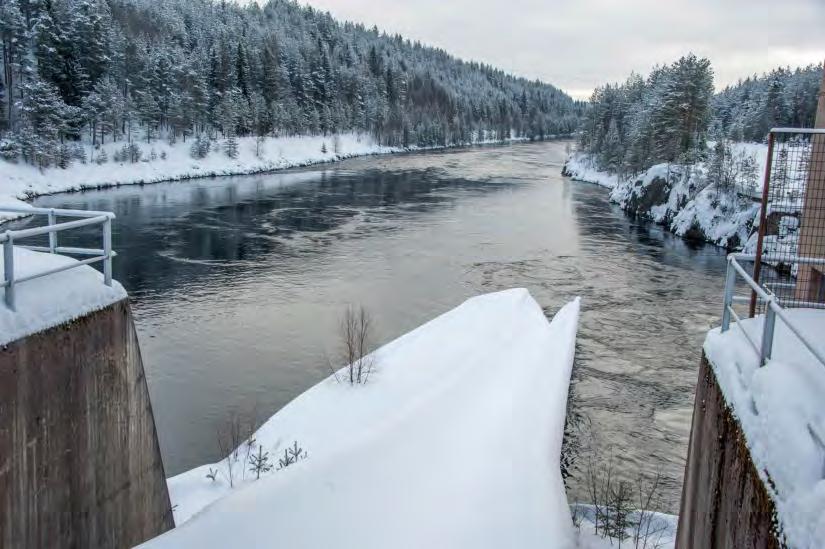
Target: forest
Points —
{"points": [[669, 116], [96, 71]]}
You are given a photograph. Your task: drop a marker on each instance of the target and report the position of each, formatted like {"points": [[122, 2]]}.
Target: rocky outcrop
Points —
{"points": [[678, 198]]}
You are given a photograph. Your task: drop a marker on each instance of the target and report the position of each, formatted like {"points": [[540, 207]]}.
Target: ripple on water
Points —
{"points": [[239, 282]]}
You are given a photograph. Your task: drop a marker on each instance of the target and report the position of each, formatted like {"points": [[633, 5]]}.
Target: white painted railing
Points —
{"points": [[773, 307], [81, 218]]}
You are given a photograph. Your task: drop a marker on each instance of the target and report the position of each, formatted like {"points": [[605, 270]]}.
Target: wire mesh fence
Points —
{"points": [[792, 220]]}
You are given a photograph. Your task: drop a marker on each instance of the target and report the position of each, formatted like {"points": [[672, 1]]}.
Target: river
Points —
{"points": [[238, 284]]}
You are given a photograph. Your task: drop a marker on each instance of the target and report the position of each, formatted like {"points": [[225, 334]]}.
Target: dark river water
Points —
{"points": [[238, 284]]}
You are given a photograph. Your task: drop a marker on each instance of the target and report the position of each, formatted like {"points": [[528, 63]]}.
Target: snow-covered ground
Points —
{"points": [[161, 161], [19, 181], [648, 530], [52, 300], [581, 168], [454, 442], [781, 408]]}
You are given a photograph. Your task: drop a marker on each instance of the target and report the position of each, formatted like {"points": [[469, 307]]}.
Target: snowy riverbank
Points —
{"points": [[454, 442], [680, 198], [159, 161]]}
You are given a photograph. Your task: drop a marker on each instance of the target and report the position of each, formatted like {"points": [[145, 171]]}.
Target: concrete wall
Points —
{"points": [[724, 502], [810, 280], [80, 464]]}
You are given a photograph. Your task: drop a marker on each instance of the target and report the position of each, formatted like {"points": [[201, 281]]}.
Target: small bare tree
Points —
{"points": [[234, 436], [356, 333]]}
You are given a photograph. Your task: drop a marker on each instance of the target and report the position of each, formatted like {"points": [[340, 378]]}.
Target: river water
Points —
{"points": [[238, 284]]}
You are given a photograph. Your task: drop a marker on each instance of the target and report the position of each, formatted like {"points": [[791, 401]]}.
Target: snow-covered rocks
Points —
{"points": [[454, 442], [680, 198], [52, 300], [781, 410], [581, 168]]}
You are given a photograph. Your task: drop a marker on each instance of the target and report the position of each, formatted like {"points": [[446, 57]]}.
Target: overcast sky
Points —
{"points": [[579, 44]]}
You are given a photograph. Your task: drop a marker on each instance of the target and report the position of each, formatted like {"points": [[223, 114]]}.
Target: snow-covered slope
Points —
{"points": [[49, 301], [164, 162], [454, 442], [581, 168], [680, 198], [781, 410]]}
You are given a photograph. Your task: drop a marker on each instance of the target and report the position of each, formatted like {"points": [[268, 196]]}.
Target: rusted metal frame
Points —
{"points": [[763, 221]]}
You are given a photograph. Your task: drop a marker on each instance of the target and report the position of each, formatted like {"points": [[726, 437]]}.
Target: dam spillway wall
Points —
{"points": [[724, 501], [80, 463]]}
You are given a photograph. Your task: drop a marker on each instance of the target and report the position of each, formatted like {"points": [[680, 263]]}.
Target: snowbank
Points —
{"points": [[656, 530], [680, 199], [581, 168], [454, 442], [782, 413], [52, 300], [19, 181], [164, 162]]}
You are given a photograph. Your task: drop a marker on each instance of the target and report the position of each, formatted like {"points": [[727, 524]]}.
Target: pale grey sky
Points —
{"points": [[579, 44]]}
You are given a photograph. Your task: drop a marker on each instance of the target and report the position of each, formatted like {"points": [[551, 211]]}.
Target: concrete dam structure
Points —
{"points": [[81, 464], [724, 502]]}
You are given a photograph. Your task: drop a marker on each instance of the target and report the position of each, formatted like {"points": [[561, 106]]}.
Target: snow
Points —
{"points": [[655, 531], [52, 300], [580, 168], [720, 217], [454, 442], [725, 219], [19, 181], [781, 410]]}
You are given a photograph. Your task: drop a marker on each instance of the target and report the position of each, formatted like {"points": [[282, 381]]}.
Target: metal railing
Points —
{"points": [[9, 239], [773, 307]]}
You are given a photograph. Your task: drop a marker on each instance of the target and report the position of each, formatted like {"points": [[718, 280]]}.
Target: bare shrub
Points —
{"points": [[619, 512], [356, 335], [234, 438]]}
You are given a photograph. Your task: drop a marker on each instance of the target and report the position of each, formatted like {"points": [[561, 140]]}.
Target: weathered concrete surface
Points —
{"points": [[80, 464], [724, 502]]}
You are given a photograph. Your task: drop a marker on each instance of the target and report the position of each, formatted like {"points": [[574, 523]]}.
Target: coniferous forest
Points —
{"points": [[670, 115], [141, 70]]}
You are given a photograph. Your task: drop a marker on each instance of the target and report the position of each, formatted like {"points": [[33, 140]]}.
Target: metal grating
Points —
{"points": [[792, 220]]}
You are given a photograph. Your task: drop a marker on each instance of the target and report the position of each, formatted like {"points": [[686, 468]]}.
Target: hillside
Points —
{"points": [[96, 71]]}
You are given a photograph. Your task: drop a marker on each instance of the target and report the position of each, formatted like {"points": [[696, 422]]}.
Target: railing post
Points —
{"points": [[767, 332], [53, 234], [730, 283], [107, 251], [8, 270]]}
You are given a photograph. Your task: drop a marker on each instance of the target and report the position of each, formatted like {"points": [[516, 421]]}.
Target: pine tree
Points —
{"points": [[231, 146], [14, 36]]}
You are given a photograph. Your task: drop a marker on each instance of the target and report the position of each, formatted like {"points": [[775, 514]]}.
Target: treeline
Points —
{"points": [[670, 115], [645, 121], [781, 98], [102, 70]]}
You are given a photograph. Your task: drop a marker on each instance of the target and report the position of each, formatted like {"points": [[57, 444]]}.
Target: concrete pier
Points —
{"points": [[724, 501], [80, 464]]}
